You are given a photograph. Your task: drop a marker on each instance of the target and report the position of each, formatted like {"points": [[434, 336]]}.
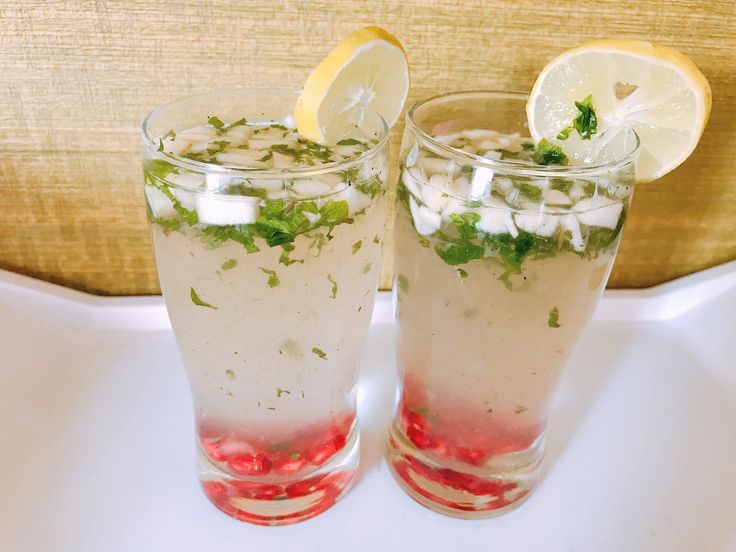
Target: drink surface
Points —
{"points": [[268, 279]]}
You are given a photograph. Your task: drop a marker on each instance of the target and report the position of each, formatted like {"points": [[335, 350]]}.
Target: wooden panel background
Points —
{"points": [[76, 79]]}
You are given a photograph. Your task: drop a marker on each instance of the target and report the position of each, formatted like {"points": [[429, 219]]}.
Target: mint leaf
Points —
{"points": [[532, 192], [284, 259], [370, 187], [554, 318], [334, 212], [239, 122], [456, 254], [229, 264], [465, 224], [527, 146], [462, 273], [565, 133], [280, 392], [586, 123], [188, 215], [169, 134], [333, 292], [218, 146], [160, 145], [238, 233], [246, 190], [320, 353], [266, 157], [376, 240], [367, 267], [198, 301], [273, 279], [350, 142], [169, 225], [356, 246], [158, 169], [216, 122], [549, 154]]}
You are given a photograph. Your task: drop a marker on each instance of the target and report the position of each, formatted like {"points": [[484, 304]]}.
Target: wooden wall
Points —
{"points": [[76, 79]]}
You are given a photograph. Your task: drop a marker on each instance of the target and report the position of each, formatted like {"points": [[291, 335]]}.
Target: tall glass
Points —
{"points": [[270, 329], [500, 262]]}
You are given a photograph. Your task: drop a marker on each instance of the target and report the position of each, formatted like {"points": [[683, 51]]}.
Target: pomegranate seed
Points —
{"points": [[322, 454], [289, 466], [475, 457], [415, 420], [248, 464], [304, 488], [214, 489], [420, 439]]}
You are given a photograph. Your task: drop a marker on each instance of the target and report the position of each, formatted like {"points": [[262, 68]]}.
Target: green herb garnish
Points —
{"points": [[548, 153], [554, 318], [462, 273], [198, 301], [280, 392], [229, 264], [238, 233], [403, 283], [585, 123], [216, 122], [273, 279], [284, 259], [356, 246], [320, 353], [370, 187], [333, 292]]}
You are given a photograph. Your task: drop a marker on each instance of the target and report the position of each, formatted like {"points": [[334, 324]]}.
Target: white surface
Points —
{"points": [[96, 432]]}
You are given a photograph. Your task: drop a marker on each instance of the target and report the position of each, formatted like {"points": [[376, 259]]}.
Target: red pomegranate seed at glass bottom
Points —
{"points": [[475, 457], [303, 488], [322, 454], [257, 491], [248, 464], [288, 467], [415, 420], [214, 488], [420, 439]]}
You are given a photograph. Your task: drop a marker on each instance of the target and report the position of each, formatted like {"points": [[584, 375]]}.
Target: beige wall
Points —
{"points": [[76, 78]]}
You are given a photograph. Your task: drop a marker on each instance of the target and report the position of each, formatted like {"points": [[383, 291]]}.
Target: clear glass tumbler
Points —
{"points": [[269, 277], [500, 261]]}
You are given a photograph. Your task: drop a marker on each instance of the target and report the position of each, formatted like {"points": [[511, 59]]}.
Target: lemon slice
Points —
{"points": [[367, 69], [657, 91]]}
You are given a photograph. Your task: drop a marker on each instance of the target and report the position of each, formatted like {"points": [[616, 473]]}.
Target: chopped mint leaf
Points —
{"points": [[238, 233], [554, 318], [376, 239], [527, 146], [158, 169], [280, 392], [586, 123], [320, 353], [295, 455], [564, 185], [465, 224], [350, 142], [273, 279], [367, 267], [218, 146], [230, 263], [160, 145], [188, 215], [169, 134], [356, 246], [403, 283], [333, 292], [549, 154], [462, 273], [370, 187], [456, 254], [198, 301], [239, 122], [532, 192], [169, 225], [284, 259], [243, 189], [350, 175], [216, 122], [266, 157], [278, 126], [230, 373], [564, 134], [519, 409], [466, 169], [424, 242], [285, 150]]}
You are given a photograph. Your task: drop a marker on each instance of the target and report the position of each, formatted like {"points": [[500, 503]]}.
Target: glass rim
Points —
{"points": [[509, 166], [255, 173]]}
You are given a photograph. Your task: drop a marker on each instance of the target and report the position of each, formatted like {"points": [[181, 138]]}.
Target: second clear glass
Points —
{"points": [[499, 264]]}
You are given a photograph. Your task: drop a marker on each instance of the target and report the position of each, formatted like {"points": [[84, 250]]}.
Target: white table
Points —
{"points": [[96, 432]]}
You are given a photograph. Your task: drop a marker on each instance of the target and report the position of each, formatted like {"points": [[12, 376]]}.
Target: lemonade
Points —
{"points": [[268, 248]]}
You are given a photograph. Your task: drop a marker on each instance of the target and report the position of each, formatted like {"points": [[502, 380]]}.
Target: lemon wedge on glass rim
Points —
{"points": [[655, 90], [369, 68]]}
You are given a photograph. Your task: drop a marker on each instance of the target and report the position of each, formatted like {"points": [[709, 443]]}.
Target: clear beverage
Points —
{"points": [[268, 250], [500, 263]]}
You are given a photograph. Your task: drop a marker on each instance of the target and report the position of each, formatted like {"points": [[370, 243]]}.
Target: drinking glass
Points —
{"points": [[268, 277], [500, 261]]}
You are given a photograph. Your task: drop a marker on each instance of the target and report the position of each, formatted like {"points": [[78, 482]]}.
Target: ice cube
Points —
{"points": [[540, 223], [425, 221], [599, 211], [357, 201], [311, 187], [160, 205], [570, 224], [242, 158], [480, 185], [434, 196], [454, 206], [413, 179], [203, 133], [226, 209], [555, 197], [479, 134], [266, 143], [433, 165], [496, 218]]}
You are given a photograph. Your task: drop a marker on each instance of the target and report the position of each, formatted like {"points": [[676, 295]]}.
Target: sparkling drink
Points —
{"points": [[500, 262], [268, 249]]}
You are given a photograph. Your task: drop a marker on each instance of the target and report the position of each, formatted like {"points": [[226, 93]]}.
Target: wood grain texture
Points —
{"points": [[76, 79]]}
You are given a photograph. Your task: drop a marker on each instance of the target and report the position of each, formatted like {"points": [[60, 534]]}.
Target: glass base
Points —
{"points": [[279, 501], [460, 490]]}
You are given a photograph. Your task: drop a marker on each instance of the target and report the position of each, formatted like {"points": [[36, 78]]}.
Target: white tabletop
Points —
{"points": [[96, 432]]}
